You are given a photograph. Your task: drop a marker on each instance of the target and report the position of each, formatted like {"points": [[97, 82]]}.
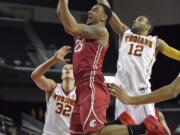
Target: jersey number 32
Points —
{"points": [[63, 109]]}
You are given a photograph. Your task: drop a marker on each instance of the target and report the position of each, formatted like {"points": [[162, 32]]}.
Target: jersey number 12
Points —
{"points": [[136, 50]]}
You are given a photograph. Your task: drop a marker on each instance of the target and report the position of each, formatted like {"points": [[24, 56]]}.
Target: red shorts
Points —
{"points": [[89, 113]]}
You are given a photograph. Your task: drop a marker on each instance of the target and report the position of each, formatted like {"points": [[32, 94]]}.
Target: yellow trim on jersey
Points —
{"points": [[171, 52]]}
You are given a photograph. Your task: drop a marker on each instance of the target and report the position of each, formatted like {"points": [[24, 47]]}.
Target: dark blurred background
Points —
{"points": [[30, 33]]}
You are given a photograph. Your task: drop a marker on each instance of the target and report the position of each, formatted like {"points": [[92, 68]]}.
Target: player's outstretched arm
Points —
{"points": [[65, 16], [76, 29], [117, 25], [167, 50], [58, 13], [38, 74], [164, 93]]}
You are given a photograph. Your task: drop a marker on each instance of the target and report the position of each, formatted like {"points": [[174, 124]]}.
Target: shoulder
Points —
{"points": [[160, 43], [163, 46], [57, 87], [127, 31], [100, 29]]}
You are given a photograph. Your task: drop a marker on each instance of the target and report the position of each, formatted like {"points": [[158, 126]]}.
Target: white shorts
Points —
{"points": [[138, 112]]}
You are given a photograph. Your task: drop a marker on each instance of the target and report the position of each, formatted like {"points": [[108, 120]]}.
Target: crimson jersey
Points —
{"points": [[89, 112], [87, 60]]}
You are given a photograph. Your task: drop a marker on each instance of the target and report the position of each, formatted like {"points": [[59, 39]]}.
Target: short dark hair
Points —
{"points": [[107, 11]]}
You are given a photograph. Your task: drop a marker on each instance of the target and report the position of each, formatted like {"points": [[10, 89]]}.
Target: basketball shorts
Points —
{"points": [[89, 112], [138, 112]]}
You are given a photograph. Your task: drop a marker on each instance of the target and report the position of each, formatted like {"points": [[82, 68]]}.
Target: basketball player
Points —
{"points": [[164, 93], [91, 43], [137, 54], [60, 98]]}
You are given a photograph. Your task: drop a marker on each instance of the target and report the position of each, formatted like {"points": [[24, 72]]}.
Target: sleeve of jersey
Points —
{"points": [[171, 52]]}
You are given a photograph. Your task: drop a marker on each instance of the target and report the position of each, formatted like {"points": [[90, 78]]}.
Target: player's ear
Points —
{"points": [[148, 26], [104, 18]]}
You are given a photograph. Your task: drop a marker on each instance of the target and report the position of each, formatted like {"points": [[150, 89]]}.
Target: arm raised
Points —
{"points": [[38, 76], [117, 25]]}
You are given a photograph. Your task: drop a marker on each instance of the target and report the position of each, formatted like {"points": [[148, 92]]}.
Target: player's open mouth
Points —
{"points": [[67, 72]]}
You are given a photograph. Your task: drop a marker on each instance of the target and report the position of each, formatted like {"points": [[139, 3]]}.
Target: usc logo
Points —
{"points": [[79, 46]]}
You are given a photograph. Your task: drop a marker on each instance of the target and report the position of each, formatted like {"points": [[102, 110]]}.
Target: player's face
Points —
{"points": [[67, 72], [141, 23], [96, 15]]}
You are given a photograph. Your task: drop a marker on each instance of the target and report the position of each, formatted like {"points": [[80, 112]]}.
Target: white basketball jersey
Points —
{"points": [[136, 57], [59, 109]]}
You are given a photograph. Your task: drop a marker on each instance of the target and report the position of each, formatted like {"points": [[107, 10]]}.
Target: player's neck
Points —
{"points": [[102, 24], [145, 33], [139, 32], [98, 23], [68, 84]]}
